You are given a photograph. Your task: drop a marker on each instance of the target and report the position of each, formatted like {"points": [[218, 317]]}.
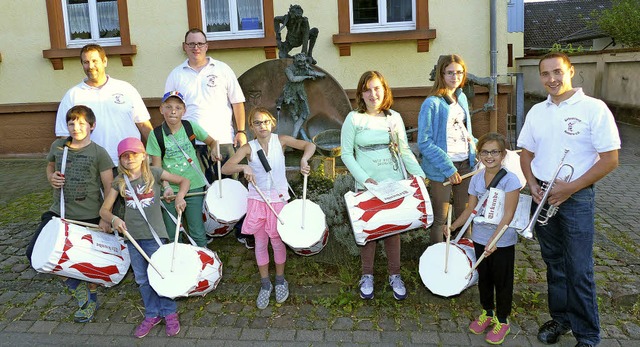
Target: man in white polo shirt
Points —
{"points": [[568, 120], [119, 109], [214, 100]]}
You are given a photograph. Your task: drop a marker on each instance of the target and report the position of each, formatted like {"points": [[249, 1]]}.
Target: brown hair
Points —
{"points": [[194, 31], [93, 47], [362, 86], [488, 137], [439, 86], [263, 110], [81, 111], [552, 55]]}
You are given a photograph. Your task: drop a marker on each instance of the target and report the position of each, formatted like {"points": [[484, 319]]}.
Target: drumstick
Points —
{"points": [[304, 198], [446, 252], [186, 195], [219, 171], [126, 234], [175, 239], [264, 198], [491, 245], [467, 175], [473, 214]]}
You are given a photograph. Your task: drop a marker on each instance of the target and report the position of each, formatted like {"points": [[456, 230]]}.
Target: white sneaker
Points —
{"points": [[399, 291], [366, 287]]}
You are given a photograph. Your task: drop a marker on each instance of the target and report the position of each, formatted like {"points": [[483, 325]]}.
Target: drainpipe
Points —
{"points": [[493, 91]]}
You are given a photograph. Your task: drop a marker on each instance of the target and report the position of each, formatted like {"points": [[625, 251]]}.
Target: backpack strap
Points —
{"points": [[188, 128], [158, 132]]}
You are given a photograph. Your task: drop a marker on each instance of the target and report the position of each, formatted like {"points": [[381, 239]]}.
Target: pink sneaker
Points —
{"points": [[496, 335], [173, 325], [481, 323], [145, 327]]}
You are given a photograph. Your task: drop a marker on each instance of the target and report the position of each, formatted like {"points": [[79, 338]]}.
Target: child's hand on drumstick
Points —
{"points": [[305, 169], [118, 224], [56, 179], [105, 226], [181, 204], [446, 231], [168, 195], [215, 155], [248, 174]]}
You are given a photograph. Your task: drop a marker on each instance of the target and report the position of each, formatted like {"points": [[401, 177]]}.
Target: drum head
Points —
{"points": [[292, 232], [453, 282], [184, 276], [233, 203]]}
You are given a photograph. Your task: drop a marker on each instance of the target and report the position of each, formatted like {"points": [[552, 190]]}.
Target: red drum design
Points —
{"points": [[462, 257], [310, 240], [74, 251], [196, 271], [220, 214], [371, 219]]}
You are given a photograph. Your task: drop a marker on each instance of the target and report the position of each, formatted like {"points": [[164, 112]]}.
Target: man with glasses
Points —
{"points": [[213, 99], [568, 120]]}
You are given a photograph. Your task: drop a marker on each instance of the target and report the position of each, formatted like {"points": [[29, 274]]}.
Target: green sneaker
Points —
{"points": [[85, 314], [81, 294]]}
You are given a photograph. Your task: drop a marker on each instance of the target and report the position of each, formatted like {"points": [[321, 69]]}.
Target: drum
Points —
{"points": [[196, 271], [75, 251], [220, 214], [313, 237], [372, 219], [462, 257]]}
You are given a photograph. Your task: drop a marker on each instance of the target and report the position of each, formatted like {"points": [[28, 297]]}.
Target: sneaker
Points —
{"points": [[366, 287], [282, 292], [399, 291], [172, 324], [263, 297], [248, 242], [496, 335], [81, 294], [145, 327], [85, 314], [209, 239], [481, 323]]}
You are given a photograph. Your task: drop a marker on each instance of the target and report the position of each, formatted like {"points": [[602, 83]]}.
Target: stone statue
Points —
{"points": [[294, 97], [298, 33]]}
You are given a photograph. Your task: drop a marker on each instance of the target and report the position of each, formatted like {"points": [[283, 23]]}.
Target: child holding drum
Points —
{"points": [[366, 151], [261, 221], [143, 220], [177, 155], [496, 270], [87, 169]]}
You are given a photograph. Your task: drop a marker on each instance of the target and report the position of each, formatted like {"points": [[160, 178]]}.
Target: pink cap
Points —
{"points": [[130, 144]]}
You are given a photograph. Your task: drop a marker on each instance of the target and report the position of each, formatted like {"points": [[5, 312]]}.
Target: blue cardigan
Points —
{"points": [[432, 136]]}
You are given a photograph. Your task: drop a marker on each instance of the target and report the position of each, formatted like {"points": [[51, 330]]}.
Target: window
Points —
{"points": [[91, 21], [231, 24], [382, 15], [74, 23], [233, 19], [382, 20]]}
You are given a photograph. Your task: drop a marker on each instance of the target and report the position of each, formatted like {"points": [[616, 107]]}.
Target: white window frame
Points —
{"points": [[382, 24], [95, 31], [235, 32]]}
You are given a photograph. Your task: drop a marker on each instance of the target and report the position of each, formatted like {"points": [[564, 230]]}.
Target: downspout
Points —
{"points": [[493, 91]]}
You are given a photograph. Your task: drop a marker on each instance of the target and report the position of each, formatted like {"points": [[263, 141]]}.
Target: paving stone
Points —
{"points": [[18, 327], [343, 323], [366, 336], [632, 330], [281, 335], [338, 336], [310, 335], [198, 332], [425, 338], [42, 327]]}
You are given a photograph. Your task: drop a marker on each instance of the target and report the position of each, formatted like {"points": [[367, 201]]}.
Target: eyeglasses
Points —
{"points": [[195, 44], [493, 153], [259, 123], [454, 73]]}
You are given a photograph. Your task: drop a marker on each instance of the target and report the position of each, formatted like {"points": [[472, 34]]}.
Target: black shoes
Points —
{"points": [[550, 331]]}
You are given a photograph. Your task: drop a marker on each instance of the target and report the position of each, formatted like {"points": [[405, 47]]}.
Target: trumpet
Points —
{"points": [[542, 215]]}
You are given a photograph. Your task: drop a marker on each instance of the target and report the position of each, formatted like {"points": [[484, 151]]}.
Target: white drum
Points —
{"points": [[74, 251], [372, 219], [196, 271], [313, 237], [462, 257], [220, 214]]}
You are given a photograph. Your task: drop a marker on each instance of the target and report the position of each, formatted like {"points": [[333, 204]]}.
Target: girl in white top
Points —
{"points": [[260, 221]]}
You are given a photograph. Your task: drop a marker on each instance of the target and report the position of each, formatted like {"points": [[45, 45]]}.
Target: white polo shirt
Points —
{"points": [[117, 106], [209, 95], [581, 124]]}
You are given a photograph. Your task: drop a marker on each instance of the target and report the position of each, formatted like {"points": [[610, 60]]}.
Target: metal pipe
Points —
{"points": [[493, 91]]}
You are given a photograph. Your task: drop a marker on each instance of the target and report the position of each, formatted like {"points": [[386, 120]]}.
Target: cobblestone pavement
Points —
{"points": [[323, 309]]}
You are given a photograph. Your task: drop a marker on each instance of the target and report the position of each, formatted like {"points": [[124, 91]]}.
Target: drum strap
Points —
{"points": [[175, 220], [396, 154], [63, 166], [193, 164], [139, 206]]}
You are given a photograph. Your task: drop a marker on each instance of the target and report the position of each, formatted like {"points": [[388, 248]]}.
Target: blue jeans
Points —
{"points": [[566, 244], [154, 304]]}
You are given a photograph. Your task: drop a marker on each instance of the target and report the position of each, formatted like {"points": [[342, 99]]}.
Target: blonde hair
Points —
{"points": [[147, 177], [440, 86], [259, 109]]}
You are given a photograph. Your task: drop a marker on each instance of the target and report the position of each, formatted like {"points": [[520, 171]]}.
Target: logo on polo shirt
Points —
{"points": [[118, 98], [211, 80], [571, 126]]}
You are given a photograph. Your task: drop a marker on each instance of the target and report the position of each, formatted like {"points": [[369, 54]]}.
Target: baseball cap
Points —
{"points": [[130, 144], [173, 93]]}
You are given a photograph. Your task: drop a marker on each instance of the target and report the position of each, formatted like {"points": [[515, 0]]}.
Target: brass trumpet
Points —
{"points": [[542, 215]]}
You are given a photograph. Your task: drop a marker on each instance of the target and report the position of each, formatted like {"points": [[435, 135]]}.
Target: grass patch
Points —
{"points": [[26, 208]]}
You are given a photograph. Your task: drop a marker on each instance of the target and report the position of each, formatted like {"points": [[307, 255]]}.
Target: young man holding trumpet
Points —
{"points": [[583, 127]]}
